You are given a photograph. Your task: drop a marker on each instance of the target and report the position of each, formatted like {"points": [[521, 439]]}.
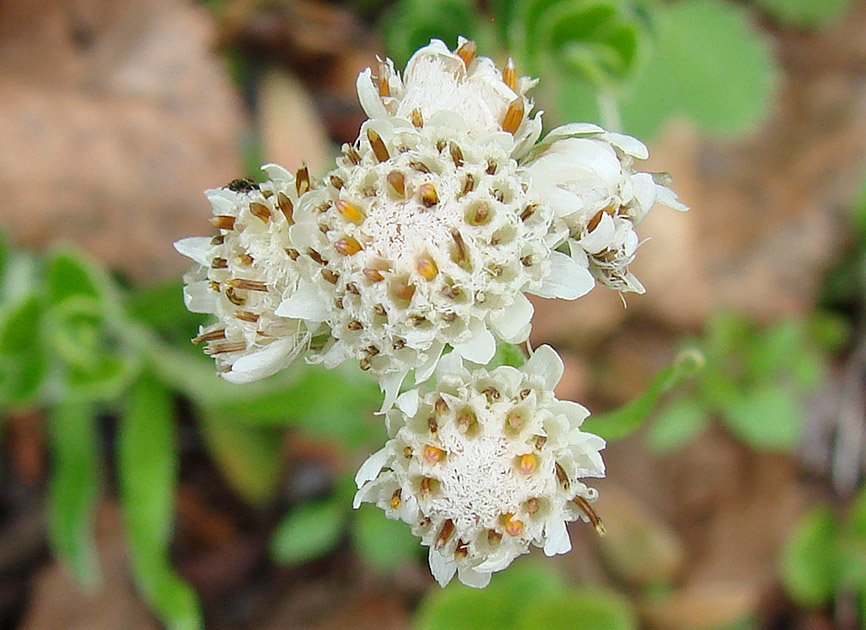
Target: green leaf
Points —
{"points": [[4, 252], [71, 273], [73, 490], [250, 458], [309, 531], [493, 608], [766, 418], [507, 354], [411, 24], [852, 556], [805, 13], [585, 607], [23, 356], [810, 568], [384, 544], [621, 422], [161, 308], [677, 423], [147, 471], [710, 65]]}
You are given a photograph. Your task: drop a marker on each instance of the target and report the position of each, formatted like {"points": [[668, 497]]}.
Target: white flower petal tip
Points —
{"points": [[195, 248], [484, 464], [267, 361], [306, 302], [568, 279]]}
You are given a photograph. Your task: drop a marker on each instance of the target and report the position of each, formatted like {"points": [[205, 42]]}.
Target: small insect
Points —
{"points": [[242, 185]]}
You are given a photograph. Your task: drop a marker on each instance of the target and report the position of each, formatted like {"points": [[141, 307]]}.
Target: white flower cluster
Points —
{"points": [[416, 254]]}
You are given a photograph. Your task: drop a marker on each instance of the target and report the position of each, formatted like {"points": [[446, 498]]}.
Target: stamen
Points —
{"points": [[513, 527], [456, 154], [461, 550], [427, 487], [468, 185], [379, 309], [397, 182], [349, 210], [444, 534], [247, 316], [354, 325], [365, 364], [417, 118], [302, 180], [493, 537], [373, 275], [213, 335], [420, 167], [352, 154], [222, 348], [219, 239], [399, 344], [407, 452], [467, 52], [432, 424], [378, 146], [527, 463], [528, 211], [223, 222], [491, 392], [532, 506], [396, 498], [234, 298], [384, 88], [347, 246], [426, 267], [509, 74], [524, 393], [312, 253], [245, 259], [261, 211], [513, 116], [466, 420], [460, 255], [351, 287], [402, 289], [293, 253], [330, 275], [247, 285], [562, 477], [433, 455], [478, 213], [336, 182], [440, 407], [219, 263], [591, 514]]}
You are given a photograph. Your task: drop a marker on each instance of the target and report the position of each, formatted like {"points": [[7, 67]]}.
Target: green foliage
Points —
{"points": [[507, 354], [384, 544], [754, 382], [73, 491], [411, 24], [805, 13], [147, 470], [624, 421], [309, 531], [506, 603]]}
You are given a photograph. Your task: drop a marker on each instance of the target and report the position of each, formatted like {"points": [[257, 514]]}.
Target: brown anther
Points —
{"points": [[532, 506], [513, 116], [591, 514], [524, 393], [293, 253], [213, 335], [433, 455], [324, 228], [378, 146], [493, 537], [491, 392], [222, 348], [528, 211], [351, 287], [540, 441], [461, 550], [369, 191], [302, 180], [444, 534], [527, 261], [495, 270], [440, 407], [426, 266], [417, 320], [223, 222], [379, 309], [424, 522], [245, 259], [513, 527], [336, 182], [371, 350], [515, 420], [498, 195], [428, 194], [384, 88], [426, 488], [330, 275], [352, 155], [562, 477], [460, 255], [509, 74], [527, 463], [349, 210], [468, 185], [467, 52], [396, 498], [432, 424], [451, 291], [466, 420], [213, 285], [478, 213], [312, 253], [399, 344], [397, 182], [339, 302], [234, 298], [407, 452], [365, 364], [247, 316], [596, 219], [347, 246], [420, 167], [261, 211], [373, 275], [402, 289], [219, 263], [449, 316], [247, 285], [417, 118], [456, 154], [219, 239], [440, 145], [354, 325]]}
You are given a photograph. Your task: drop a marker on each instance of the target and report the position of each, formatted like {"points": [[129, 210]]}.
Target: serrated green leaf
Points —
{"points": [[147, 471], [676, 423], [767, 418], [384, 544], [585, 607], [685, 75], [73, 490], [411, 24], [810, 568], [250, 458], [623, 421], [309, 531], [805, 13]]}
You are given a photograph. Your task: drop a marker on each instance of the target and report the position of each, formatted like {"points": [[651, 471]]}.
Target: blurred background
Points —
{"points": [[138, 491]]}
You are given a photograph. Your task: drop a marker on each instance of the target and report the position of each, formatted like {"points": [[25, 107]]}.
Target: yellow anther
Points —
{"points": [[349, 210], [433, 455], [444, 534], [378, 146], [426, 267], [527, 463], [347, 246], [417, 118], [513, 116], [396, 498], [384, 88], [509, 74], [397, 182], [223, 222], [407, 452], [513, 527], [429, 197], [467, 52]]}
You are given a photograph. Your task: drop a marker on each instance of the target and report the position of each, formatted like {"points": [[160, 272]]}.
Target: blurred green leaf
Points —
{"points": [[805, 13], [769, 417], [810, 569], [579, 608], [684, 75], [498, 606], [507, 354], [4, 252], [161, 308], [147, 471], [23, 356], [677, 423], [852, 556], [774, 349], [384, 544], [411, 24], [73, 490], [250, 457], [623, 421], [309, 531], [71, 273]]}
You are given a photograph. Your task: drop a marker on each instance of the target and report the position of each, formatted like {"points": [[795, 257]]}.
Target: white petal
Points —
{"points": [[199, 297], [629, 145], [372, 466], [195, 247], [407, 402], [442, 569], [512, 324], [644, 192], [368, 95], [563, 203], [224, 201], [557, 540], [575, 412], [278, 174], [481, 346], [269, 360], [451, 363], [425, 371], [667, 197], [572, 129], [306, 302], [473, 578], [545, 363], [601, 236], [390, 384], [567, 279]]}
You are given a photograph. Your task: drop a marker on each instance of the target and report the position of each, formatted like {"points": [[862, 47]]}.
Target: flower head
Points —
{"points": [[243, 274], [484, 464]]}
